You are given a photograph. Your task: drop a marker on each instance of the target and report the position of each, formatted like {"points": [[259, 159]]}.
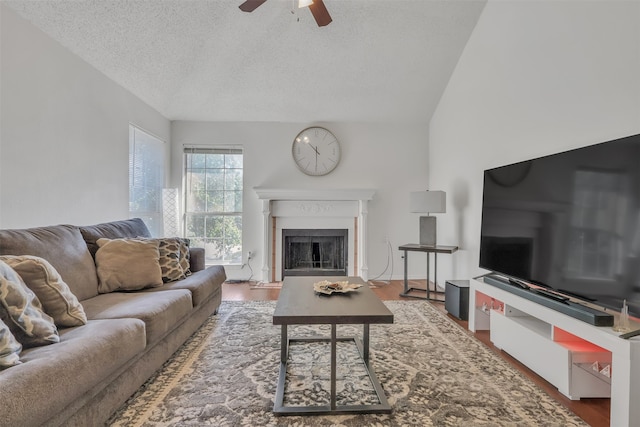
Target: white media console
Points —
{"points": [[561, 349]]}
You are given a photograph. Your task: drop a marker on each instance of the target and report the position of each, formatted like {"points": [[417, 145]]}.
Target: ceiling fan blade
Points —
{"points": [[320, 13], [251, 5]]}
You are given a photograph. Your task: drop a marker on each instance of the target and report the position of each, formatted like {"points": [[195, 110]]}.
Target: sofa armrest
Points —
{"points": [[196, 259]]}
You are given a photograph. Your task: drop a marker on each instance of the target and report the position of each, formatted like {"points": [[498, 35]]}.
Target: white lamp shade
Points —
{"points": [[428, 201]]}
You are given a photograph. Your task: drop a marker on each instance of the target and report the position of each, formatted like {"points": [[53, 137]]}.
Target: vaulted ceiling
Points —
{"points": [[379, 60]]}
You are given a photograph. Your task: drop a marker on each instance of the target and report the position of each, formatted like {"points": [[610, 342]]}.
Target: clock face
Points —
{"points": [[316, 151]]}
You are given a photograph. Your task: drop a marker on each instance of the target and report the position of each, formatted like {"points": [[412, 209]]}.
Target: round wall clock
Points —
{"points": [[316, 151]]}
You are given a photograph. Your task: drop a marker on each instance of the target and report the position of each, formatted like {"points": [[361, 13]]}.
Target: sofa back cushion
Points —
{"points": [[134, 227], [64, 248]]}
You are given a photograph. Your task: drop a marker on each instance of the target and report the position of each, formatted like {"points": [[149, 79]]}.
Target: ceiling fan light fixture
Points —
{"points": [[304, 3]]}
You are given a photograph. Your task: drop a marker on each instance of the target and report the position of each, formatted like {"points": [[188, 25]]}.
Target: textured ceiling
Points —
{"points": [[379, 60]]}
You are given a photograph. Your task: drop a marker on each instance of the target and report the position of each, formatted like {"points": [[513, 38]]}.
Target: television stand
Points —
{"points": [[561, 348]]}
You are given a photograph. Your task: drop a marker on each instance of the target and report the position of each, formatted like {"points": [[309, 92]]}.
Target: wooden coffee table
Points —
{"points": [[298, 304]]}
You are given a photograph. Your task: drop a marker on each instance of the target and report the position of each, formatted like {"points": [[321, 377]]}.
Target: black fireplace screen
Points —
{"points": [[320, 252]]}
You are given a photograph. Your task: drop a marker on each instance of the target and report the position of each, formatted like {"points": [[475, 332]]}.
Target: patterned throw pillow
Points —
{"points": [[170, 259], [9, 348], [54, 294], [174, 254], [184, 255], [21, 310], [127, 264]]}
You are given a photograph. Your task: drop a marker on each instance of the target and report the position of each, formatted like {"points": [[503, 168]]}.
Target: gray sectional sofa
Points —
{"points": [[90, 373]]}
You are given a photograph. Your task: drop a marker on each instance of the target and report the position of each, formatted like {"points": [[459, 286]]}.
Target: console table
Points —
{"points": [[428, 249]]}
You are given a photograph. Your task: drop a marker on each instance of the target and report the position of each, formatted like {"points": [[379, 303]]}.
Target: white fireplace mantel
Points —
{"points": [[320, 206]]}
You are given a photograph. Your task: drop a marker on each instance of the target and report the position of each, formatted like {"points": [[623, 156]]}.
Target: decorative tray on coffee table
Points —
{"points": [[326, 287]]}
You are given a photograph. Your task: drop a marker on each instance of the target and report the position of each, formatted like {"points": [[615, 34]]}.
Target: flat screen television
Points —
{"points": [[568, 221]]}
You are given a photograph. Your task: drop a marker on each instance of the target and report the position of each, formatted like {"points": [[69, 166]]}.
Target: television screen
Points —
{"points": [[569, 221]]}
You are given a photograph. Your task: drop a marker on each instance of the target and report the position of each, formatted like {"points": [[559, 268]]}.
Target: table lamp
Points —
{"points": [[428, 202]]}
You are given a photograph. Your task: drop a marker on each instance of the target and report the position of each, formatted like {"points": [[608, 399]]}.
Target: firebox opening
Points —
{"points": [[314, 252]]}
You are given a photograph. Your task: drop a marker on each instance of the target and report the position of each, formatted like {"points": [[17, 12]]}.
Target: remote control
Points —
{"points": [[551, 295], [630, 334], [519, 283]]}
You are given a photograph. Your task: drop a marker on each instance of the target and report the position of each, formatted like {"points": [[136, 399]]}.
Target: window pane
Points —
{"points": [[233, 201], [194, 227], [215, 179], [195, 161], [233, 179], [197, 201], [233, 161], [215, 161], [215, 201]]}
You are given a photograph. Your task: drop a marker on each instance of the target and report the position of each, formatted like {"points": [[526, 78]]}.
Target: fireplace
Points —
{"points": [[317, 209], [314, 252]]}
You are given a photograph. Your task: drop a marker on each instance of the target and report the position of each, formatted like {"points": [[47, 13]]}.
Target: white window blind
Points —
{"points": [[146, 178], [213, 202]]}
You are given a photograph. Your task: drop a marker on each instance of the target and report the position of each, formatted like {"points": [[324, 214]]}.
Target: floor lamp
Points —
{"points": [[427, 202]]}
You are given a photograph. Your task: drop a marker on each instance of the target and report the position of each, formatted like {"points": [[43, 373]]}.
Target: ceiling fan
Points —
{"points": [[317, 7]]}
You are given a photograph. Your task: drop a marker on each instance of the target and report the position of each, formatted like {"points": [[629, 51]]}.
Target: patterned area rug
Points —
{"points": [[434, 374]]}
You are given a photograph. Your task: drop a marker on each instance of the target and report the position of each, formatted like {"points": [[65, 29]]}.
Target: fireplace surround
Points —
{"points": [[314, 209]]}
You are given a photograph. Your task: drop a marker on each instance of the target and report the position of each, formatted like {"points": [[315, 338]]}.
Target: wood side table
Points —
{"points": [[428, 249]]}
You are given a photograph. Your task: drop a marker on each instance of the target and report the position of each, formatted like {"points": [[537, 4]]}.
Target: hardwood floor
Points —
{"points": [[593, 411]]}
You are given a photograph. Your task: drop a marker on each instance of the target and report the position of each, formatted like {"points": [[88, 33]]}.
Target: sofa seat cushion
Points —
{"points": [[52, 377], [64, 248], [202, 284], [160, 311]]}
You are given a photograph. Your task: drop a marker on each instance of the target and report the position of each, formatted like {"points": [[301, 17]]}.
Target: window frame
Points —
{"points": [[206, 214]]}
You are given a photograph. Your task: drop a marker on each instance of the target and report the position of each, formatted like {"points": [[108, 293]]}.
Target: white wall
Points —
{"points": [[64, 137], [392, 159], [535, 78]]}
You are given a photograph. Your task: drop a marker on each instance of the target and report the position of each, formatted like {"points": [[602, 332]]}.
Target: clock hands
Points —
{"points": [[317, 154]]}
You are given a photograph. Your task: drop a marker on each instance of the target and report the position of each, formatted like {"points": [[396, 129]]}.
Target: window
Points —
{"points": [[213, 202], [146, 178]]}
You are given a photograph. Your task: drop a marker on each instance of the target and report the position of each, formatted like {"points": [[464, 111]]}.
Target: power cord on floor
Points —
{"points": [[248, 264], [389, 263]]}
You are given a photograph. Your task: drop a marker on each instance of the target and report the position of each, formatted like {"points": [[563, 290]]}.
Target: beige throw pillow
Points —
{"points": [[54, 294], [10, 348], [21, 310], [127, 264]]}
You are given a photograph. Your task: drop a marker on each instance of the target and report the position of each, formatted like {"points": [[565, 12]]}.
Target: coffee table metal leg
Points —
{"points": [[365, 342], [284, 341], [279, 408], [333, 366]]}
